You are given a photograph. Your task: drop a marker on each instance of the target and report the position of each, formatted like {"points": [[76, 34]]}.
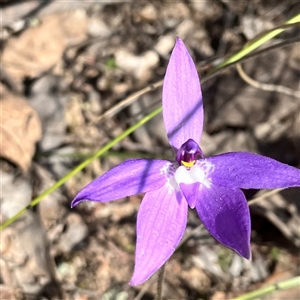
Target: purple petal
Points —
{"points": [[161, 223], [225, 214], [190, 192], [129, 178], [182, 98], [248, 170]]}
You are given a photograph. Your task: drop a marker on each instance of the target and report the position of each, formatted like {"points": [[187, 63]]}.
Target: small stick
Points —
{"points": [[265, 86]]}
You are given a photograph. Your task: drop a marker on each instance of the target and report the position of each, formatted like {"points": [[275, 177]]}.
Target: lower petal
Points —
{"points": [[161, 223], [225, 214]]}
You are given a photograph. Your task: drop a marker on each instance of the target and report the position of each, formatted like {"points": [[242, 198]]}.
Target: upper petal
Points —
{"points": [[129, 178], [248, 170], [161, 223], [182, 98], [225, 214]]}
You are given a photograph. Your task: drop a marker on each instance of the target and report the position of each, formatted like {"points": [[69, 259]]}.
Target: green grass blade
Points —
{"points": [[257, 42], [284, 285]]}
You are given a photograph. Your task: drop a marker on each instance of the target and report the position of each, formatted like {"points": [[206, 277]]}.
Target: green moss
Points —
{"points": [[111, 63]]}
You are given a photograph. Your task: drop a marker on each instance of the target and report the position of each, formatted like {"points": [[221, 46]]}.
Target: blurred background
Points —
{"points": [[66, 70]]}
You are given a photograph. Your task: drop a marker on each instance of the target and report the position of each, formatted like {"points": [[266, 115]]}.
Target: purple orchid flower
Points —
{"points": [[211, 185]]}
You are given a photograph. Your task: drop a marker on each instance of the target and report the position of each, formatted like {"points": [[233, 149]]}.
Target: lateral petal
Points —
{"points": [[129, 178], [225, 214], [251, 171], [161, 223], [182, 98]]}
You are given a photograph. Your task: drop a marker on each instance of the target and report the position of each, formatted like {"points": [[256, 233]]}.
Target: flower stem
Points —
{"points": [[160, 280]]}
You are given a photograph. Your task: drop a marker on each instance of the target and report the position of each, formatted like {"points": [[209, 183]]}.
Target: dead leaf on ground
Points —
{"points": [[40, 47], [9, 292], [20, 128]]}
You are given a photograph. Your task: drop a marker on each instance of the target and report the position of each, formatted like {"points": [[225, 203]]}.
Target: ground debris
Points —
{"points": [[20, 129]]}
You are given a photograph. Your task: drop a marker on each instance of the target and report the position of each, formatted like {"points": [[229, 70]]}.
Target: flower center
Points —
{"points": [[188, 153], [188, 164]]}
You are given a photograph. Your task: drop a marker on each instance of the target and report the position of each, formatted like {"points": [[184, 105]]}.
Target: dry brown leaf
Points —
{"points": [[40, 47], [20, 130], [10, 292]]}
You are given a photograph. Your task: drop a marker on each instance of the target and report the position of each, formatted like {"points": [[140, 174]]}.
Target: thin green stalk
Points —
{"points": [[284, 285], [81, 166], [255, 44]]}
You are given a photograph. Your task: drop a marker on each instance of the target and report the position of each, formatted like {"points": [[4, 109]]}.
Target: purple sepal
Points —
{"points": [[225, 214], [129, 178], [161, 223], [251, 171], [182, 98]]}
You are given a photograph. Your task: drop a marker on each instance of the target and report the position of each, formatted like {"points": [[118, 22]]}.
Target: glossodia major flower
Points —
{"points": [[211, 185]]}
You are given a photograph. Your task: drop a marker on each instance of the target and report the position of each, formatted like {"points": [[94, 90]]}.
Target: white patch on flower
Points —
{"points": [[194, 174], [168, 171], [206, 167]]}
